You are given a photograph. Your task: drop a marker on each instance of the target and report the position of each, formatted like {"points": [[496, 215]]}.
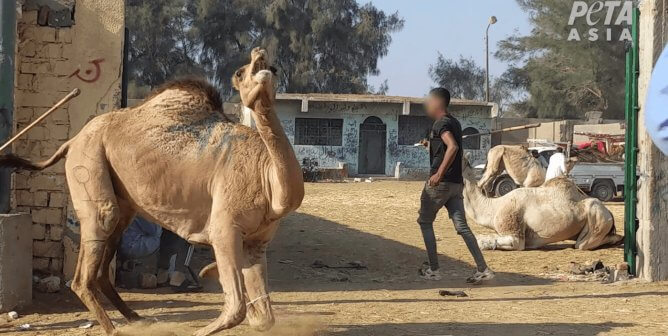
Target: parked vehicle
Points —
{"points": [[600, 180]]}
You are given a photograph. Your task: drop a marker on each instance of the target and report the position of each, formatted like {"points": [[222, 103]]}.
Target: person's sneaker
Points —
{"points": [[428, 274], [479, 277]]}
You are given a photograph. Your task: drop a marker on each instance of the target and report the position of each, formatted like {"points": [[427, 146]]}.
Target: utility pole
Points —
{"points": [[492, 20]]}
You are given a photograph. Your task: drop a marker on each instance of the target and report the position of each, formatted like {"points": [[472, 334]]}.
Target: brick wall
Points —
{"points": [[51, 61], [42, 79]]}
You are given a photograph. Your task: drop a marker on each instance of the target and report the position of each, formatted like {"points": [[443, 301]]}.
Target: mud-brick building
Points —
{"points": [[374, 135], [58, 45]]}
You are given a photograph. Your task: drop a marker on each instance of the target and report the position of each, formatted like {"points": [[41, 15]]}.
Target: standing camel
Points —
{"points": [[535, 217], [176, 159], [520, 165]]}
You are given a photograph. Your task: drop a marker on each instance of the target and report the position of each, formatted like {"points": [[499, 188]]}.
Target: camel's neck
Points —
{"points": [[478, 206], [285, 174]]}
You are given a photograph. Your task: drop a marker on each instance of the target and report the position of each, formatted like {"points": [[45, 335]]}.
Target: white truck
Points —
{"points": [[604, 181]]}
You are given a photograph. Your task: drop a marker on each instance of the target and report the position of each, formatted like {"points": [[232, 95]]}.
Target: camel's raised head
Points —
{"points": [[256, 81]]}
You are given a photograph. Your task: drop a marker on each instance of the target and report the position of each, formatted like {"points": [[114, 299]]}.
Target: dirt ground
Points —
{"points": [[374, 224]]}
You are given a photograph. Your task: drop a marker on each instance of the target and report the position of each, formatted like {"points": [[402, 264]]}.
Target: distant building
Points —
{"points": [[372, 134]]}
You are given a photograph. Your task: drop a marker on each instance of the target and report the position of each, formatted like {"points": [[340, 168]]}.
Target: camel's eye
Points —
{"points": [[239, 73], [273, 70]]}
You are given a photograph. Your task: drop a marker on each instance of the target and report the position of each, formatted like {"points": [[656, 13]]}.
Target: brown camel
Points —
{"points": [[535, 217], [523, 168], [176, 160]]}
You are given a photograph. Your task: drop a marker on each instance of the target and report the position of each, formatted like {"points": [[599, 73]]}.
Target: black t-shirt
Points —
{"points": [[437, 148]]}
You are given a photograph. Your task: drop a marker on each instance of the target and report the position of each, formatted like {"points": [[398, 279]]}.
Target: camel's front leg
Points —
{"points": [[227, 244], [504, 243], [260, 313]]}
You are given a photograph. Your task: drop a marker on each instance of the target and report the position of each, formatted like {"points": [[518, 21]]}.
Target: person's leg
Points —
{"points": [[167, 249], [455, 206], [430, 204]]}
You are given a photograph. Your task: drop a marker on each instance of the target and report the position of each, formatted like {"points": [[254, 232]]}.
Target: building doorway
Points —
{"points": [[373, 143]]}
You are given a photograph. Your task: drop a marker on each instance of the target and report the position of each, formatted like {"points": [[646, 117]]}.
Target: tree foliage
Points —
{"points": [[565, 79], [465, 79], [328, 46]]}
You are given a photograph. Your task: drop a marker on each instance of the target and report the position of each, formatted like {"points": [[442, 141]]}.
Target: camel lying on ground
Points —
{"points": [[534, 217], [176, 159], [520, 165]]}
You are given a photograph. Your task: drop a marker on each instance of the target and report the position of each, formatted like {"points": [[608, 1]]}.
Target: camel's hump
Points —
{"points": [[199, 87]]}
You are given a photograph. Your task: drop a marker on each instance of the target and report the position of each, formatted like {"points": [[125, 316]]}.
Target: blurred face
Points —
{"points": [[434, 107]]}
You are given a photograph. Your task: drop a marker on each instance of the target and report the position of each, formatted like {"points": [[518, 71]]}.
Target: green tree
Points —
{"points": [[565, 79], [328, 46], [465, 79], [162, 43]]}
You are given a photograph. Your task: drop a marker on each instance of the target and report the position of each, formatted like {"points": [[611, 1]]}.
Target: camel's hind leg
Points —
{"points": [[99, 214], [127, 214], [598, 224]]}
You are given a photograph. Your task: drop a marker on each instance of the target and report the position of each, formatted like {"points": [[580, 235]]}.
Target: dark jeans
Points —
{"points": [[432, 200], [171, 244]]}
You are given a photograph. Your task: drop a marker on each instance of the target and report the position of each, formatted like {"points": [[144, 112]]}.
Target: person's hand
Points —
{"points": [[434, 180]]}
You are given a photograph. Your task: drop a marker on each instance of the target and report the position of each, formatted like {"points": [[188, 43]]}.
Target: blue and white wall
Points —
{"points": [[354, 114]]}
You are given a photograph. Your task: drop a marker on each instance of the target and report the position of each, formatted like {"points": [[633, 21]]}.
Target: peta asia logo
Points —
{"points": [[603, 18]]}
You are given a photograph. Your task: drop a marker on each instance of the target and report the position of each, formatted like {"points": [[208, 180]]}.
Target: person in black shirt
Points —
{"points": [[445, 186]]}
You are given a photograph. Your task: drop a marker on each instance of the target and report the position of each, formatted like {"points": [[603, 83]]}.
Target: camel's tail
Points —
{"points": [[13, 161]]}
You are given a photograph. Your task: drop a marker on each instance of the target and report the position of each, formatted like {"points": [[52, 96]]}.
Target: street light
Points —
{"points": [[492, 20]]}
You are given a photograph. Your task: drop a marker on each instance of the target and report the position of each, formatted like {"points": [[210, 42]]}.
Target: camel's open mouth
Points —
{"points": [[259, 62]]}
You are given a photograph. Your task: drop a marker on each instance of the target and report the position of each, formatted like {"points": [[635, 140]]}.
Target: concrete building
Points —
{"points": [[371, 134], [60, 45]]}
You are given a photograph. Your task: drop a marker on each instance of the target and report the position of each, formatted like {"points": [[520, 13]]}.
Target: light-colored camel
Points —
{"points": [[534, 217], [177, 160], [520, 165]]}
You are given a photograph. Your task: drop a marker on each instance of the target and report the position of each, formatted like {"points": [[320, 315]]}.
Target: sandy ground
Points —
{"points": [[374, 224]]}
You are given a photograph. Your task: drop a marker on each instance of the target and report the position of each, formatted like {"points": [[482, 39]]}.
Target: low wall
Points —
{"points": [[15, 261]]}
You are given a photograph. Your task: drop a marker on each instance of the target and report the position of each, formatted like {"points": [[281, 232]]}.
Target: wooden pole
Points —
{"points": [[65, 99], [509, 129]]}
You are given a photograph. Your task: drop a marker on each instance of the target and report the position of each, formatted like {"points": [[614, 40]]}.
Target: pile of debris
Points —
{"points": [[594, 271], [596, 152]]}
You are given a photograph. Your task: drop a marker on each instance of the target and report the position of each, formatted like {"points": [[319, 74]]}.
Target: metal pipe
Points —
{"points": [[631, 149], [7, 68], [509, 129]]}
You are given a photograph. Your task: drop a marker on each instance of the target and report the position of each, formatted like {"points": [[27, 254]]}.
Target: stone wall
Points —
{"points": [[55, 56]]}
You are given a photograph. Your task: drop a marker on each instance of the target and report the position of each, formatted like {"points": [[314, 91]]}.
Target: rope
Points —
{"points": [[257, 299]]}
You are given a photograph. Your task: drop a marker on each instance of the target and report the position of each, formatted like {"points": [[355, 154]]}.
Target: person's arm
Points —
{"points": [[562, 164], [448, 158]]}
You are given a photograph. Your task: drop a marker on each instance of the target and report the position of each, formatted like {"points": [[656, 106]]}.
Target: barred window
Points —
{"points": [[412, 129], [318, 131], [472, 142]]}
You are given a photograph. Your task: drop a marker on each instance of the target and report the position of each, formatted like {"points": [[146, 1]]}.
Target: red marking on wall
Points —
{"points": [[90, 74]]}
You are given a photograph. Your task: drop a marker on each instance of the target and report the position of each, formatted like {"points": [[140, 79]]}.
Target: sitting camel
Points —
{"points": [[520, 165], [534, 217], [176, 160]]}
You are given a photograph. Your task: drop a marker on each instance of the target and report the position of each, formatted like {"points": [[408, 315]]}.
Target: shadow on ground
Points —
{"points": [[304, 239], [496, 329]]}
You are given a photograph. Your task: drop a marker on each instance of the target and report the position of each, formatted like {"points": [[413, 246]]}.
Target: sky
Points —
{"points": [[452, 27]]}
